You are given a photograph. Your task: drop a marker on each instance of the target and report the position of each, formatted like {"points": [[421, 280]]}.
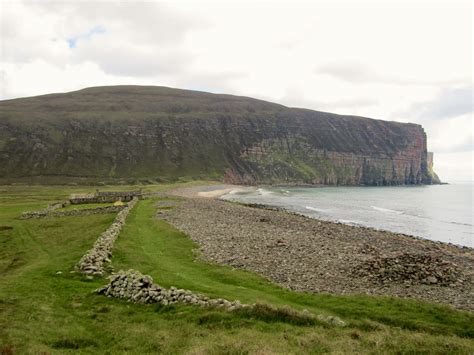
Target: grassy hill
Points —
{"points": [[139, 133], [44, 308]]}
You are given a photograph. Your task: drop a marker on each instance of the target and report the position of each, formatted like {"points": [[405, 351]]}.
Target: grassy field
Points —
{"points": [[46, 308], [85, 206]]}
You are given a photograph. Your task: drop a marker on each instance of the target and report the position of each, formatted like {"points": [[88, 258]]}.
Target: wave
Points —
{"points": [[459, 223], [264, 192], [386, 210], [314, 209]]}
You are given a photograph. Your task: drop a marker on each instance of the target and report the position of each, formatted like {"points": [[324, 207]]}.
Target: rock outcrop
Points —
{"points": [[130, 133]]}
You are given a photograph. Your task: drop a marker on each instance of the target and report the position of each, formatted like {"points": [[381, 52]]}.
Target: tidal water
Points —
{"points": [[438, 212]]}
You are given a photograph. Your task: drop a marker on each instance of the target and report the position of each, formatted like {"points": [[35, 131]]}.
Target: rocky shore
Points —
{"points": [[305, 254]]}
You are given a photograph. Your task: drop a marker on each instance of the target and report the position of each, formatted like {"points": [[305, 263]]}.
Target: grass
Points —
{"points": [[85, 206], [46, 308]]}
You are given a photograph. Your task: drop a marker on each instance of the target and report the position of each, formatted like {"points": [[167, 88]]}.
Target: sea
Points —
{"points": [[436, 212]]}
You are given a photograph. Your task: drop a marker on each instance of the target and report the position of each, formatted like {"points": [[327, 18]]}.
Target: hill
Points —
{"points": [[132, 133]]}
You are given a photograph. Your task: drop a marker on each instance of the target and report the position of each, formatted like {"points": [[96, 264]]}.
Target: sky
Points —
{"points": [[403, 61]]}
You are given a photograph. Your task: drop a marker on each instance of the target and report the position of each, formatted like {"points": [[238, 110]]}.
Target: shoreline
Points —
{"points": [[306, 254], [276, 208], [207, 191], [218, 191]]}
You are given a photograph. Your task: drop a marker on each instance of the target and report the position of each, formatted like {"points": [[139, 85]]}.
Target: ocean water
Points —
{"points": [[438, 212]]}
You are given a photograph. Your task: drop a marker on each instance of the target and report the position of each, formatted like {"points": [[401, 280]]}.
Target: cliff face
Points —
{"points": [[128, 132]]}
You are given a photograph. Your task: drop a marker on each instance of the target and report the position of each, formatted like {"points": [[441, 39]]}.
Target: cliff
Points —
{"points": [[127, 133]]}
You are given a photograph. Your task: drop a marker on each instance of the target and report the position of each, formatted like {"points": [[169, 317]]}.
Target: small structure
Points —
{"points": [[105, 197], [76, 199]]}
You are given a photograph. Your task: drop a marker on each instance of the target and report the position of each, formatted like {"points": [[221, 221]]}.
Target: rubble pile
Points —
{"points": [[411, 268]]}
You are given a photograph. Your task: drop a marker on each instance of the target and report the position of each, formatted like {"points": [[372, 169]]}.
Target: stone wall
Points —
{"points": [[78, 212], [133, 286], [104, 196], [93, 262]]}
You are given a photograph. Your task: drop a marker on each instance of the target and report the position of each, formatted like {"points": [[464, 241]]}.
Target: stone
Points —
{"points": [[432, 279]]}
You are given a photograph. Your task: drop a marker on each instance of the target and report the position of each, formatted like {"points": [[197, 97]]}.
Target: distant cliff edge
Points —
{"points": [[138, 133]]}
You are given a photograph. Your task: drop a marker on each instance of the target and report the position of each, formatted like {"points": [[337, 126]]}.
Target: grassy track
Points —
{"points": [[42, 310]]}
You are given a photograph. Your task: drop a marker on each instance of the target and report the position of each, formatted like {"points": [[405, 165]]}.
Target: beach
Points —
{"points": [[306, 254]]}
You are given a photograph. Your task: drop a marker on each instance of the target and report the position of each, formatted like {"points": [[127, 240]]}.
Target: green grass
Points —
{"points": [[85, 206], [42, 310]]}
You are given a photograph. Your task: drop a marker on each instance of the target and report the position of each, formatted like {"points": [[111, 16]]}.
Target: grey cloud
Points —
{"points": [[140, 40], [218, 82], [350, 103], [129, 60], [296, 98], [464, 146], [151, 22], [350, 72], [358, 73], [450, 102]]}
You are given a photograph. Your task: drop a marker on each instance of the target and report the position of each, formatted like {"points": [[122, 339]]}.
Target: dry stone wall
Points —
{"points": [[78, 212], [93, 261], [135, 287]]}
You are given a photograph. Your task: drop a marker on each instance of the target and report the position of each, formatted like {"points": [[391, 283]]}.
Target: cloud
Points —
{"points": [[216, 82], [297, 98], [467, 145], [121, 38], [449, 102], [454, 166], [130, 59], [72, 41], [360, 73], [450, 135]]}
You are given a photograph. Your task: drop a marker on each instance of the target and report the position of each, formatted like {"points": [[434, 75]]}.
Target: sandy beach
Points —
{"points": [[305, 254], [211, 191]]}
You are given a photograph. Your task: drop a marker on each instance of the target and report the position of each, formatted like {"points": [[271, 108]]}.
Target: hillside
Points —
{"points": [[130, 133]]}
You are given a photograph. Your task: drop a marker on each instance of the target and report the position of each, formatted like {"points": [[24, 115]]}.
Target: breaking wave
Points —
{"points": [[264, 192], [314, 209], [386, 210]]}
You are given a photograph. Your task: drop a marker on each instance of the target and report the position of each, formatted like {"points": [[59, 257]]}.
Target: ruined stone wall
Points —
{"points": [[78, 212], [95, 260]]}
